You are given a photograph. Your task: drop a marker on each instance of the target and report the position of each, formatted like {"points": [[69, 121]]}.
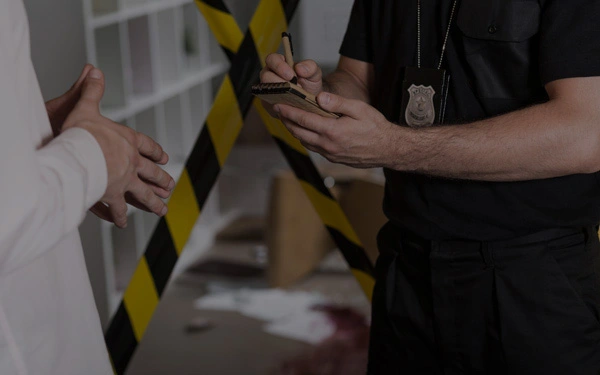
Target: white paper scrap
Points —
{"points": [[276, 304], [287, 314], [263, 304], [311, 327], [220, 301]]}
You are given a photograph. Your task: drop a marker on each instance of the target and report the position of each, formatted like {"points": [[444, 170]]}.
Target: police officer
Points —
{"points": [[485, 116]]}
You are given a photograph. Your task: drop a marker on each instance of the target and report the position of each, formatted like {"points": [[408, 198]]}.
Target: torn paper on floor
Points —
{"points": [[311, 327], [288, 314]]}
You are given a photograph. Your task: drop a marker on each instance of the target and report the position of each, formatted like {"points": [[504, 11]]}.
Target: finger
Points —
{"points": [[151, 149], [302, 134], [118, 211], [268, 76], [309, 70], [71, 95], [164, 160], [59, 108], [310, 121], [69, 98], [276, 63], [101, 210], [337, 104], [84, 73], [269, 108], [130, 199], [92, 89], [142, 193], [151, 172], [162, 193]]}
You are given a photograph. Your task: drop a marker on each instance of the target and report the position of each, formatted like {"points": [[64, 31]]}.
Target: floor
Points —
{"points": [[235, 344]]}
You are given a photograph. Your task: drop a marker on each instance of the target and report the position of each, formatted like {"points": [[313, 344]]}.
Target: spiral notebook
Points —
{"points": [[290, 94]]}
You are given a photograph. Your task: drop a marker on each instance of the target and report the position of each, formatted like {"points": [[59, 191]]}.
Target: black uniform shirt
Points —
{"points": [[500, 55]]}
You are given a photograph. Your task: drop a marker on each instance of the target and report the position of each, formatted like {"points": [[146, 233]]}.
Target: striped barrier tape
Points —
{"points": [[221, 129], [227, 34]]}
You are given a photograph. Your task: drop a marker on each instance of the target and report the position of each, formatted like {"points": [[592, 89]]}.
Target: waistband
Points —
{"points": [[532, 239]]}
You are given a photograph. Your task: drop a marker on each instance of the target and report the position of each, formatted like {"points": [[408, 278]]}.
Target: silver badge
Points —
{"points": [[420, 110]]}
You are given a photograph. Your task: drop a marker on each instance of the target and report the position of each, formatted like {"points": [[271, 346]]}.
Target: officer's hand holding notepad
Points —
{"points": [[289, 92]]}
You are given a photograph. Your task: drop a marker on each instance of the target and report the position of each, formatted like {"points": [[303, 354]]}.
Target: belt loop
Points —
{"points": [[486, 253], [590, 232]]}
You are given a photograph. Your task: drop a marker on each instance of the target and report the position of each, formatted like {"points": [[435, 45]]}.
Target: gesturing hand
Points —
{"points": [[59, 108], [361, 138], [131, 158]]}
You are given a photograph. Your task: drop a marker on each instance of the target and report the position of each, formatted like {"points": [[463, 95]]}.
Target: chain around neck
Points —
{"points": [[445, 37]]}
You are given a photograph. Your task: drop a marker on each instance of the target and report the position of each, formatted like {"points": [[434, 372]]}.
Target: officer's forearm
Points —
{"points": [[547, 140]]}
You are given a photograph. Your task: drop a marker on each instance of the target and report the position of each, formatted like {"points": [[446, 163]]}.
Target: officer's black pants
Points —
{"points": [[522, 307]]}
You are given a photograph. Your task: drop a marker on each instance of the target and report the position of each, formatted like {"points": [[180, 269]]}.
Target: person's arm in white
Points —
{"points": [[45, 193]]}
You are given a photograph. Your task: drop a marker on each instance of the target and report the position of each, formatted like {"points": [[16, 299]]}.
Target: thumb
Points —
{"points": [[84, 73], [62, 105], [337, 104], [92, 89]]}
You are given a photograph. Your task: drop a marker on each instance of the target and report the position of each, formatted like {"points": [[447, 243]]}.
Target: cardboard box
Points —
{"points": [[297, 239], [362, 202]]}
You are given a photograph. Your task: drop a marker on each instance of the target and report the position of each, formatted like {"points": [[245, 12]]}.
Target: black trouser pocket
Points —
{"points": [[402, 339], [549, 309]]}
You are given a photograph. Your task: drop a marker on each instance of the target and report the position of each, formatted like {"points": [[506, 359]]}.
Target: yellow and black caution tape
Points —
{"points": [[221, 129], [328, 209]]}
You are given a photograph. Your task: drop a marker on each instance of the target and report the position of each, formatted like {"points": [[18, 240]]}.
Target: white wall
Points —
{"points": [[242, 10], [320, 27], [57, 43]]}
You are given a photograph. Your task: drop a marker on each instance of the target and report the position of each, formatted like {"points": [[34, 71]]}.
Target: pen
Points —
{"points": [[289, 53]]}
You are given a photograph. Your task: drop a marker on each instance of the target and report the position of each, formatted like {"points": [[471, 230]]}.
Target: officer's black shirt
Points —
{"points": [[500, 55]]}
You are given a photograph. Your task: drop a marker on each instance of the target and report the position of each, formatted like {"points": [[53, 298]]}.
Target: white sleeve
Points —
{"points": [[44, 193]]}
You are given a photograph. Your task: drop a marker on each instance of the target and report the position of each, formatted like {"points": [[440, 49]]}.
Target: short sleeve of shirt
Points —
{"points": [[569, 39], [357, 41]]}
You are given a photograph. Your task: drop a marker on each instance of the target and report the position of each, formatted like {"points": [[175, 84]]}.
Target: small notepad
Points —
{"points": [[290, 94]]}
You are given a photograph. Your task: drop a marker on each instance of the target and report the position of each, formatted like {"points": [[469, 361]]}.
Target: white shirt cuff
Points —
{"points": [[79, 149]]}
